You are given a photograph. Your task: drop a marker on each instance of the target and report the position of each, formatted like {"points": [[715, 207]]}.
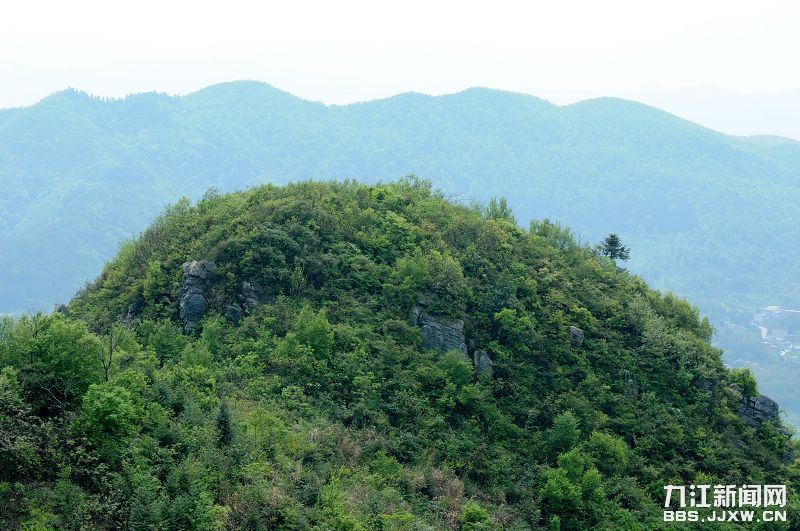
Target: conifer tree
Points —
{"points": [[224, 425], [612, 247]]}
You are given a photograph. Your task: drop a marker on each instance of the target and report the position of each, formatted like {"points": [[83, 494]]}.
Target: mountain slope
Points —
{"points": [[339, 356], [708, 216]]}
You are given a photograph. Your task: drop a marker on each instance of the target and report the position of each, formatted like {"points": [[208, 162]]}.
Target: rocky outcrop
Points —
{"points": [[248, 297], [757, 409], [482, 362], [246, 302], [576, 336], [439, 332], [192, 294]]}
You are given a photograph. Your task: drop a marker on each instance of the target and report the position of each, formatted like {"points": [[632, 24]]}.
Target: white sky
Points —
{"points": [[344, 50]]}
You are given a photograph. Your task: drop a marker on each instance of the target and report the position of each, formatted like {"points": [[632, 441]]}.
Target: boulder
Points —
{"points": [[192, 294], [757, 409], [576, 336], [200, 269], [439, 332]]}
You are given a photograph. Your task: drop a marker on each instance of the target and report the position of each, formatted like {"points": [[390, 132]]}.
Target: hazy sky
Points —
{"points": [[342, 51]]}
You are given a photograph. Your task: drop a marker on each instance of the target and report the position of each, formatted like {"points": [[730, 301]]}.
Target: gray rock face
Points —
{"points": [[576, 336], [248, 296], [439, 332], [192, 295], [482, 362], [757, 409]]}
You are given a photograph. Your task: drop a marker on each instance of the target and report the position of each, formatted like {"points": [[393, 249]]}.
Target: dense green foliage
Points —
{"points": [[320, 408], [708, 216]]}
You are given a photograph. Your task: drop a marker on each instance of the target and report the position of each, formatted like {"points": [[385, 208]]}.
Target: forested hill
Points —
{"points": [[709, 216], [340, 356]]}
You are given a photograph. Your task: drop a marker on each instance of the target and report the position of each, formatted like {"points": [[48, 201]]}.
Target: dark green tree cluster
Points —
{"points": [[320, 409], [613, 248]]}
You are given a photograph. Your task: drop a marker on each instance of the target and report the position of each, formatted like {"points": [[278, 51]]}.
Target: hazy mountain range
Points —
{"points": [[729, 111], [708, 216]]}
